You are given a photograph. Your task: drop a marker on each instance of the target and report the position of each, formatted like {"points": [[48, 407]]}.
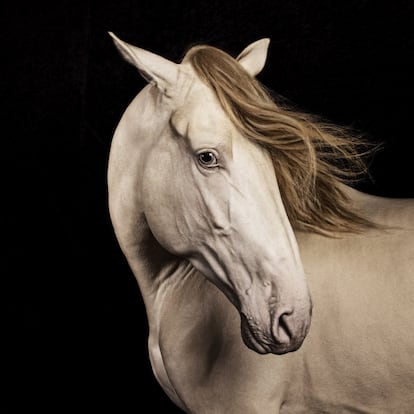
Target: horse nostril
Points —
{"points": [[281, 329]]}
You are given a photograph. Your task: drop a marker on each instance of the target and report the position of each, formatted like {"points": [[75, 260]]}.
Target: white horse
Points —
{"points": [[230, 213]]}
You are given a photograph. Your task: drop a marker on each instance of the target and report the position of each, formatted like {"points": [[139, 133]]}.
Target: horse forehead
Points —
{"points": [[200, 110]]}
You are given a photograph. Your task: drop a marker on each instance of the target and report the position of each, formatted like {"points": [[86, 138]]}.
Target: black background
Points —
{"points": [[74, 319]]}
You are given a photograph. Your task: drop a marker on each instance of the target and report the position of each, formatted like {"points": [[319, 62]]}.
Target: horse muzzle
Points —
{"points": [[284, 332]]}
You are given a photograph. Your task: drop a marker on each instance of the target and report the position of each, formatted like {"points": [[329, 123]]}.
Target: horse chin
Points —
{"points": [[265, 347], [251, 342]]}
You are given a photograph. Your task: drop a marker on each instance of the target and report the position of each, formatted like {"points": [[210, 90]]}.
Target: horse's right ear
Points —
{"points": [[153, 68]]}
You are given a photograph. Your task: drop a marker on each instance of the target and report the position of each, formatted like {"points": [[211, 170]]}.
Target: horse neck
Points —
{"points": [[154, 268]]}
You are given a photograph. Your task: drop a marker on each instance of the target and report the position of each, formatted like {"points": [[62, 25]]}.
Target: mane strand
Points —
{"points": [[312, 158]]}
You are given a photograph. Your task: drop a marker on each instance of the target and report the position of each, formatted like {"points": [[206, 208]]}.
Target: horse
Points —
{"points": [[271, 285]]}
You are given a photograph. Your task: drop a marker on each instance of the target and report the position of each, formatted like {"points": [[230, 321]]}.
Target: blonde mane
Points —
{"points": [[311, 158]]}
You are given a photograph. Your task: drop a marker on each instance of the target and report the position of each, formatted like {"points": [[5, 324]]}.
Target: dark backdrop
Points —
{"points": [[75, 323]]}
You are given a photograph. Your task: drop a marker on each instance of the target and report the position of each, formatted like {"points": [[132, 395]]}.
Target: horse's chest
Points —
{"points": [[202, 362]]}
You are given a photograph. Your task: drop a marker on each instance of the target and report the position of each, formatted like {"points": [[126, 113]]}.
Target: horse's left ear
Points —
{"points": [[253, 57], [154, 69]]}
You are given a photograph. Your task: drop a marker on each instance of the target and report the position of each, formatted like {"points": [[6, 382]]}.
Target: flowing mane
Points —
{"points": [[312, 158]]}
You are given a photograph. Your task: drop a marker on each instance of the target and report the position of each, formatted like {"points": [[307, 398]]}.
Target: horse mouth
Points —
{"points": [[258, 342], [251, 342]]}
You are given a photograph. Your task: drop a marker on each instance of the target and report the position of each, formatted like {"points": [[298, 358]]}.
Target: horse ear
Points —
{"points": [[154, 69], [253, 57]]}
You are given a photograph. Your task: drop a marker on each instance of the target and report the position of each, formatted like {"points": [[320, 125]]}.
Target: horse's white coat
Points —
{"points": [[182, 226]]}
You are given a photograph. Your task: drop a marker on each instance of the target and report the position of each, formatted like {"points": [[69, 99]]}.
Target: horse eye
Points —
{"points": [[207, 159]]}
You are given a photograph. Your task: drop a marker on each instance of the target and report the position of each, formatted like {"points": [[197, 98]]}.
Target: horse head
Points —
{"points": [[210, 194]]}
